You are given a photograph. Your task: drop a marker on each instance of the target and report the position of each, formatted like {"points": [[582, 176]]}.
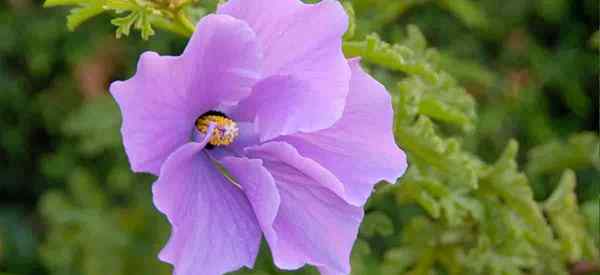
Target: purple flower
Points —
{"points": [[261, 127]]}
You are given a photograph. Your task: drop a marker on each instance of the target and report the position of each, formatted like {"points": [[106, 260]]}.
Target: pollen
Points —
{"points": [[225, 131]]}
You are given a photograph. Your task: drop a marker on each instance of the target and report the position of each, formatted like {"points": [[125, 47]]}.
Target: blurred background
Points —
{"points": [[70, 205]]}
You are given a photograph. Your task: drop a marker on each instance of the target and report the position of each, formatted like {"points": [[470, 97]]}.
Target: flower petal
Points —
{"points": [[313, 224], [222, 59], [287, 156], [290, 31], [360, 148], [214, 229], [302, 53], [280, 105], [259, 186], [161, 102], [156, 120]]}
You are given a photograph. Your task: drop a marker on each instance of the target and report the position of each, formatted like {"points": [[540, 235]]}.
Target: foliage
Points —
{"points": [[501, 70], [141, 15], [481, 218]]}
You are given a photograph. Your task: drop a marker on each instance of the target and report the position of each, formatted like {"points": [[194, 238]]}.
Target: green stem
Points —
{"points": [[54, 3], [170, 26], [185, 22]]}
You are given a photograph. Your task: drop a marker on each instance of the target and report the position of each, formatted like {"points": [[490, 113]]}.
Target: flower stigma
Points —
{"points": [[225, 131]]}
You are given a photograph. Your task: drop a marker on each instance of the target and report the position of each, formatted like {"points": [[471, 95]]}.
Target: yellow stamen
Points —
{"points": [[225, 131]]}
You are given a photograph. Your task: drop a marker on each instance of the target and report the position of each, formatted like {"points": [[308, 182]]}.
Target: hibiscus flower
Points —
{"points": [[260, 128]]}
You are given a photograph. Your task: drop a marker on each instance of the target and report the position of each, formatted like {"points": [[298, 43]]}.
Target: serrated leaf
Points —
{"points": [[395, 57], [141, 15], [580, 151], [591, 210], [145, 26], [139, 20], [504, 179], [434, 108], [125, 23], [569, 225], [424, 144], [431, 91]]}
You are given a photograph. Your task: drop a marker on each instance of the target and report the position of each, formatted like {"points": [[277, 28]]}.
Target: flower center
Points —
{"points": [[225, 131]]}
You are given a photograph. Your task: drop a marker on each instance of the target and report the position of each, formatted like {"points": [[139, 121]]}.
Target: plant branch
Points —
{"points": [[182, 19]]}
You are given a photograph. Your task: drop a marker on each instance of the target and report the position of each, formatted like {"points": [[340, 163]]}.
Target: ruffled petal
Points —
{"points": [[360, 148], [222, 60], [306, 74], [161, 102], [286, 156], [156, 119], [259, 187], [214, 229], [313, 224]]}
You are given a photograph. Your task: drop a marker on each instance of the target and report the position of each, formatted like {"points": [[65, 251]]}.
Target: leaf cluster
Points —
{"points": [[141, 15], [479, 218]]}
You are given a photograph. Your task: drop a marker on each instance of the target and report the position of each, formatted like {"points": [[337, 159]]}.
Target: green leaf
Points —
{"points": [[80, 15], [591, 210], [139, 20], [395, 57], [54, 3], [444, 155], [429, 89], [125, 23], [141, 15], [513, 188], [569, 225], [145, 26], [580, 151]]}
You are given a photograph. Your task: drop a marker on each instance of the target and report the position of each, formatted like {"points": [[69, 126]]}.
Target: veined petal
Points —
{"points": [[282, 105], [214, 229], [304, 71], [313, 224], [259, 186], [289, 30], [161, 102], [156, 118], [360, 148], [287, 157], [223, 59]]}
